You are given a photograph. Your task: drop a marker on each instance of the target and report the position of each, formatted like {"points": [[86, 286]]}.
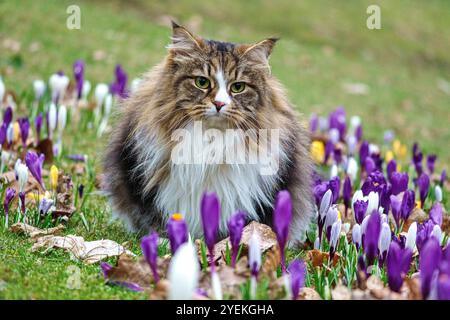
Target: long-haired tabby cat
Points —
{"points": [[225, 86]]}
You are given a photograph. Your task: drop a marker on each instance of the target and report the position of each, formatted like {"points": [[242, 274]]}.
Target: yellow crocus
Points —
{"points": [[318, 151], [389, 156], [16, 131], [54, 177], [38, 196]]}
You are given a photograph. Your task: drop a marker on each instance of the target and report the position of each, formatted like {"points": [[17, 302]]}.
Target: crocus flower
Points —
{"points": [[334, 237], [58, 83], [360, 209], [254, 260], [385, 198], [424, 186], [45, 205], [329, 147], [384, 242], [391, 168], [7, 116], [346, 193], [351, 145], [417, 161], [408, 203], [399, 182], [34, 164], [38, 126], [443, 177], [352, 169], [235, 226], [62, 119], [281, 220], [3, 129], [210, 212], [436, 213], [119, 86], [359, 133], [21, 174], [374, 183], [429, 260], [363, 152], [424, 231], [297, 271], [183, 273], [323, 210], [78, 157], [149, 245], [397, 265], [24, 125], [39, 89], [54, 173], [356, 235], [438, 193], [372, 236], [331, 218], [396, 206], [369, 165], [437, 233], [9, 195], [334, 185], [78, 72], [431, 159], [177, 232]]}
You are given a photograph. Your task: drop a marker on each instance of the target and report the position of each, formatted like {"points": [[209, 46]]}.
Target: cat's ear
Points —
{"points": [[183, 41], [259, 51]]}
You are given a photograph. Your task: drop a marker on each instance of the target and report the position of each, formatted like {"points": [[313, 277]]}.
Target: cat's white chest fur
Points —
{"points": [[238, 186]]}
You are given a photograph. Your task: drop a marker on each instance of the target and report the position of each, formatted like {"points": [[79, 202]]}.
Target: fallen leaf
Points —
{"points": [[34, 232], [88, 252], [45, 146], [318, 258]]}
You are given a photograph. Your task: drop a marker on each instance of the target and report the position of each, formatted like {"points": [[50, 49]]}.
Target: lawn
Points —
{"points": [[324, 48]]}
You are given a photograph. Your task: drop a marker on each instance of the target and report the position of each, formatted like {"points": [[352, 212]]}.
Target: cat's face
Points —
{"points": [[223, 84]]}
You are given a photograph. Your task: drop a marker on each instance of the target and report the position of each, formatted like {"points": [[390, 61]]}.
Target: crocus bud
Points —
{"points": [[9, 195], [297, 272], [52, 119], [10, 134], [254, 258], [39, 89], [101, 90], [384, 242], [86, 89], [281, 220], [45, 206], [397, 265], [372, 236], [399, 182], [396, 206], [429, 260], [438, 193], [346, 193], [424, 186], [54, 177], [183, 273], [352, 143], [24, 125], [21, 174], [210, 213], [436, 213], [331, 218], [38, 124], [411, 236], [235, 227], [34, 164], [408, 203], [62, 119], [58, 84], [149, 246], [334, 237], [356, 235]]}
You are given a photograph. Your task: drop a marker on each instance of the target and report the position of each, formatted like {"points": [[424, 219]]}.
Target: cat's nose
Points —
{"points": [[219, 105]]}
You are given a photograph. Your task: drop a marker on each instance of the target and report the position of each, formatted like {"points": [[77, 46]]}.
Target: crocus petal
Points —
{"points": [[424, 186], [411, 236], [281, 220], [235, 226], [356, 235], [429, 260], [183, 273], [254, 254], [372, 236], [297, 272], [436, 213], [210, 213], [177, 232], [149, 245]]}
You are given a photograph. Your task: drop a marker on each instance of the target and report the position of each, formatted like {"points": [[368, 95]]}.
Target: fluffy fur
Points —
{"points": [[146, 186]]}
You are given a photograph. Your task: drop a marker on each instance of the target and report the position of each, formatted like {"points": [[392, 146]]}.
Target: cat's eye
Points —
{"points": [[202, 83], [237, 87]]}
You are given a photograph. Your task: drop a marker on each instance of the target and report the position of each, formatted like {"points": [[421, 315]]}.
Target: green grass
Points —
{"points": [[323, 46]]}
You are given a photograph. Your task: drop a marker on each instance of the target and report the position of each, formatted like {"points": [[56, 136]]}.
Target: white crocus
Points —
{"points": [[352, 144], [355, 122], [58, 85], [183, 273], [438, 193], [317, 244], [22, 174], [39, 89], [411, 236], [364, 224], [106, 112], [52, 119], [254, 258], [325, 204], [333, 171], [437, 233], [373, 199], [331, 217], [216, 286], [374, 149], [356, 235], [385, 238], [352, 168], [101, 91], [86, 89], [334, 135], [135, 84], [10, 133], [335, 233], [62, 119]]}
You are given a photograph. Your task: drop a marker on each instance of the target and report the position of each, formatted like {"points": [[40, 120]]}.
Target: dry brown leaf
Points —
{"points": [[271, 262], [416, 215], [318, 258], [88, 252], [64, 197], [45, 146], [33, 232], [231, 280]]}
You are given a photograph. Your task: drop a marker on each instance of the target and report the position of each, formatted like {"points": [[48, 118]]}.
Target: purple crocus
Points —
{"points": [[347, 193], [78, 72], [297, 272], [397, 265], [385, 198], [7, 116], [360, 208], [34, 164], [9, 195], [77, 157], [44, 206], [235, 226], [417, 161], [149, 245], [210, 212], [281, 220], [429, 260], [24, 126], [363, 152], [22, 201], [372, 236], [443, 177], [329, 147], [359, 133], [177, 232], [436, 214], [408, 203], [3, 130], [334, 185], [38, 125], [424, 231], [119, 86], [391, 167], [399, 182], [369, 165], [396, 205], [374, 182], [319, 190], [424, 186], [431, 160]]}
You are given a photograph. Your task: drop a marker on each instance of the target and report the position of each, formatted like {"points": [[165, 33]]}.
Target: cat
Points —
{"points": [[212, 85]]}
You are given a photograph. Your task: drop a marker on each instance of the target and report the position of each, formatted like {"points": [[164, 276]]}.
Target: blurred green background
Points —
{"points": [[325, 54]]}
